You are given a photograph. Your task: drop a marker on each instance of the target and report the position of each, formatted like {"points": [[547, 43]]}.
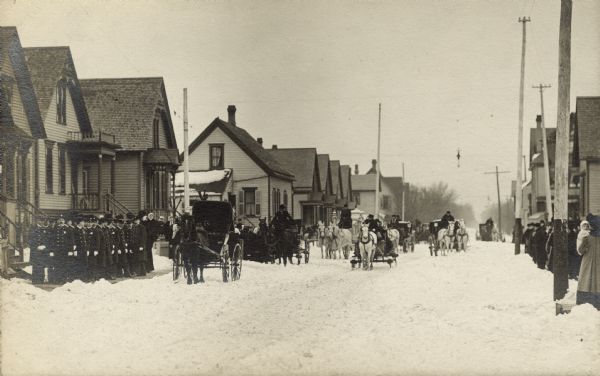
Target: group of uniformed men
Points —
{"points": [[89, 248]]}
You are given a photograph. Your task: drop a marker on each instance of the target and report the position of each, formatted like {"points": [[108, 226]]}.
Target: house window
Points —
{"points": [[285, 198], [61, 102], [85, 180], [49, 172], [385, 202], [357, 198], [62, 170], [7, 89], [216, 156], [249, 202], [274, 200], [156, 132]]}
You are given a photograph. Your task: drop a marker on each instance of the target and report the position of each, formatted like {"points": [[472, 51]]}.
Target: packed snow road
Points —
{"points": [[482, 312]]}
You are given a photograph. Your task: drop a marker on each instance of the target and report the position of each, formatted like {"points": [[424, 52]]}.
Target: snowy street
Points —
{"points": [[483, 312]]}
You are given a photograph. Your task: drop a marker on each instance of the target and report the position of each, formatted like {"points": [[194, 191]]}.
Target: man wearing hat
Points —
{"points": [[280, 222], [128, 239], [139, 239], [63, 245], [539, 243], [345, 217], [80, 249]]}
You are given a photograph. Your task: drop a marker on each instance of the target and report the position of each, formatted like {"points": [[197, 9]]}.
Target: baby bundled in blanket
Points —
{"points": [[583, 232]]}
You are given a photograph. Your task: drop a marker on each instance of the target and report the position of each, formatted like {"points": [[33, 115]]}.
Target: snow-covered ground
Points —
{"points": [[483, 312]]}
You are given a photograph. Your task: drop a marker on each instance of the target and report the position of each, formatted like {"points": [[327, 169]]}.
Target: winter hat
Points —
{"points": [[594, 221]]}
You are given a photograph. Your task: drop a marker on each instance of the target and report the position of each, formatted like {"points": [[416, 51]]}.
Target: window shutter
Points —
{"points": [[241, 203], [257, 201]]}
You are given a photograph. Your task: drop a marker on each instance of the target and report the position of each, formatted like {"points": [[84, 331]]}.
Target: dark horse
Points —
{"points": [[286, 244], [192, 236]]}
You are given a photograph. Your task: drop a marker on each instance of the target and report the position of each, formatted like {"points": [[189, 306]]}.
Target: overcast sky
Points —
{"points": [[311, 73]]}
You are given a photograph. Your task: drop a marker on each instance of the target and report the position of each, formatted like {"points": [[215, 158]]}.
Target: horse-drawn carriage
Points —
{"points": [[485, 232], [263, 244], [373, 247], [208, 240], [407, 237]]}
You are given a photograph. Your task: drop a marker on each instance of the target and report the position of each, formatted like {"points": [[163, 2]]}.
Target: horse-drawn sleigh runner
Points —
{"points": [[208, 239]]}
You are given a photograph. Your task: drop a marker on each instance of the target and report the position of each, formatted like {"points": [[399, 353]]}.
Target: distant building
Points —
{"points": [[363, 191]]}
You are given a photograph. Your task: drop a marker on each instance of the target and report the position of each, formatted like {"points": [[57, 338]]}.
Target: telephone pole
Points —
{"points": [[561, 160], [186, 163], [377, 165], [545, 146], [519, 191], [403, 189], [498, 189]]}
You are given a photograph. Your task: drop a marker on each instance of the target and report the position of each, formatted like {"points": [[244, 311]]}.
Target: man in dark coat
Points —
{"points": [[281, 220], [153, 230], [139, 240], [37, 254], [81, 249], [63, 244], [446, 219], [527, 235], [539, 241], [129, 243]]}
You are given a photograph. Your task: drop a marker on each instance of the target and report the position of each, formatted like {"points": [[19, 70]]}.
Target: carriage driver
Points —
{"points": [[281, 220]]}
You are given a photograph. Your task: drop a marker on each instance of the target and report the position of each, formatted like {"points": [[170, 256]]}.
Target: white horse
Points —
{"points": [[342, 238], [321, 238], [462, 236], [367, 242], [445, 238]]}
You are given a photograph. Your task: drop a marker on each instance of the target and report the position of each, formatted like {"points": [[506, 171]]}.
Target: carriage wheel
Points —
{"points": [[236, 262], [225, 263]]}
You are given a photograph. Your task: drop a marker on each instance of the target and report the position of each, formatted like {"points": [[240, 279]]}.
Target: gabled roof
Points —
{"points": [[248, 144], [588, 127], [9, 38], [345, 171], [335, 178], [125, 107], [324, 170], [301, 162], [47, 65]]}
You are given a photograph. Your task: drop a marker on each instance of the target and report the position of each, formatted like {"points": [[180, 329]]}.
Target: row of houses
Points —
{"points": [[227, 163], [70, 144], [108, 145], [584, 164]]}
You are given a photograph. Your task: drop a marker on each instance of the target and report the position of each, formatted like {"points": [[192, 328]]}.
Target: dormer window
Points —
{"points": [[7, 89], [61, 102]]}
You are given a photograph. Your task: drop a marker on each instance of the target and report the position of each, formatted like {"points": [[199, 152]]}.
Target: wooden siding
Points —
{"points": [[297, 207], [127, 185], [235, 158], [367, 200], [282, 185], [593, 176], [57, 133], [17, 108]]}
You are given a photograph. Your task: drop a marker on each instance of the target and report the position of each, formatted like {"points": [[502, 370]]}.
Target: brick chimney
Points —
{"points": [[259, 140], [274, 147], [355, 169], [231, 113]]}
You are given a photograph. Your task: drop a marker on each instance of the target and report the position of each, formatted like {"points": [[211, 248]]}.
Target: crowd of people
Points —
{"points": [[89, 248], [583, 246]]}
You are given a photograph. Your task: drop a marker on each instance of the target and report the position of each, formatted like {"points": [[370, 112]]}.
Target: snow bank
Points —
{"points": [[483, 312]]}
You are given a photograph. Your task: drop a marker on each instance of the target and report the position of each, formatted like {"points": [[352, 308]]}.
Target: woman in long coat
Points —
{"points": [[588, 289]]}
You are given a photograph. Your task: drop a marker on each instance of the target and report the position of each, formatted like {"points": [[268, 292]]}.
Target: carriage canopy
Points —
{"points": [[218, 215]]}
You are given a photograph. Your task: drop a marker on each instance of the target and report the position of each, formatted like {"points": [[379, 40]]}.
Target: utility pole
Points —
{"points": [[519, 183], [545, 146], [403, 186], [498, 189], [377, 165], [186, 163], [561, 160]]}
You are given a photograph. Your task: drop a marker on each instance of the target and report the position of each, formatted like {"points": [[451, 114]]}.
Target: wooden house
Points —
{"points": [[306, 201], [587, 119], [21, 129], [129, 117], [259, 183]]}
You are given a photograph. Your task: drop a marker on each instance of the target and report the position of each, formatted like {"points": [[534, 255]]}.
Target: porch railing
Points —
{"points": [[85, 201], [91, 137], [115, 206]]}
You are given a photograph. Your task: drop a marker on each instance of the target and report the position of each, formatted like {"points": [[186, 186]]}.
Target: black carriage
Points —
{"points": [[259, 243], [485, 232], [209, 241], [264, 245], [434, 227]]}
